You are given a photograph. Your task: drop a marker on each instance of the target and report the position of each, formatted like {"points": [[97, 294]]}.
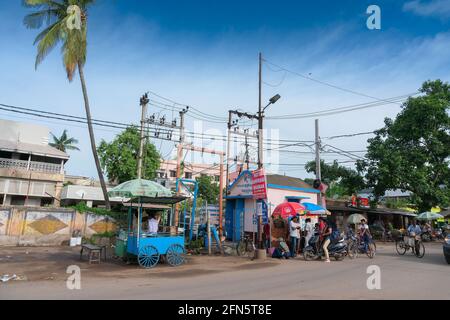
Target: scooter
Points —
{"points": [[337, 249]]}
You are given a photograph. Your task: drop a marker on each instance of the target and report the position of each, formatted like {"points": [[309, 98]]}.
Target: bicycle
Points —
{"points": [[356, 247], [246, 247], [418, 249]]}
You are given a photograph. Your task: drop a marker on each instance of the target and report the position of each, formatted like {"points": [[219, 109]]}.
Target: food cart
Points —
{"points": [[149, 247]]}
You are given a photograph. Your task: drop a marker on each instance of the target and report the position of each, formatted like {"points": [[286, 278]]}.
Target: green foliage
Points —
{"points": [[412, 152], [208, 189], [53, 14], [118, 216], [120, 157], [397, 204], [64, 143], [341, 180]]}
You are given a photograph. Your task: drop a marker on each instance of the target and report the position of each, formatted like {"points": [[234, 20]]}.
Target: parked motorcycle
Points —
{"points": [[336, 249], [427, 236]]}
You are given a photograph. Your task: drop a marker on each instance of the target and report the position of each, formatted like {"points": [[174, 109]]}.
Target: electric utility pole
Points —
{"points": [[179, 156], [260, 118], [144, 103], [318, 169], [230, 125]]}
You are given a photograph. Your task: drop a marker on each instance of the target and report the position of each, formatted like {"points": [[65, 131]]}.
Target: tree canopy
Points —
{"points": [[341, 180], [412, 152], [208, 189], [120, 157], [64, 143]]}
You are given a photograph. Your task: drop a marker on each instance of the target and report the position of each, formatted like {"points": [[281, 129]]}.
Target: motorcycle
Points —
{"points": [[428, 236], [337, 249]]}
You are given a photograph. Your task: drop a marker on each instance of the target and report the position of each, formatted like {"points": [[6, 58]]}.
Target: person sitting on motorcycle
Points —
{"points": [[364, 234]]}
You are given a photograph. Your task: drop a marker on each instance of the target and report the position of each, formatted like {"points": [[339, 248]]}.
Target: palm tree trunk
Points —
{"points": [[92, 138]]}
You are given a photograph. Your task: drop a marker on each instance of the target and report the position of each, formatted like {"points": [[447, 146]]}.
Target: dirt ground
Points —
{"points": [[43, 274], [50, 264]]}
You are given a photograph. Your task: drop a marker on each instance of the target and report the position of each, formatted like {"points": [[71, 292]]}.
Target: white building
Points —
{"points": [[31, 171]]}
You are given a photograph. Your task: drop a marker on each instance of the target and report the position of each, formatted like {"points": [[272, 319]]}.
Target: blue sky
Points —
{"points": [[204, 53]]}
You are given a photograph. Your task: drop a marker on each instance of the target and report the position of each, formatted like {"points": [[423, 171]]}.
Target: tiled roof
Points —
{"points": [[281, 180]]}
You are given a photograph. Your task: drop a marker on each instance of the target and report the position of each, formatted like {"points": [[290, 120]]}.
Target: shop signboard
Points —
{"points": [[259, 184], [243, 187]]}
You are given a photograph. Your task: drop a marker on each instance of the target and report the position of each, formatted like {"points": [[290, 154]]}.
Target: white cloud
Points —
{"points": [[434, 8]]}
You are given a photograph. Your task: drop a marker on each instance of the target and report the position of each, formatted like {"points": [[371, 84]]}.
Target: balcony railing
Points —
{"points": [[31, 165]]}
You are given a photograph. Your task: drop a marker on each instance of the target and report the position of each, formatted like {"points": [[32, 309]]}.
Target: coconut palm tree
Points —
{"points": [[64, 143], [66, 25]]}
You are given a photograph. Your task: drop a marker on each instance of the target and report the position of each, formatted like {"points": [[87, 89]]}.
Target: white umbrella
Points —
{"points": [[429, 216], [355, 218]]}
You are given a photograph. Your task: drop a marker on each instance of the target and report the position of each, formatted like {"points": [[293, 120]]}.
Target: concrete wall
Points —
{"points": [[278, 196], [47, 226]]}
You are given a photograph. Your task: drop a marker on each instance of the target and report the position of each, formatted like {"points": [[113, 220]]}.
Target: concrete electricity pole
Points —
{"points": [[318, 169], [260, 118], [144, 103], [179, 156], [230, 125]]}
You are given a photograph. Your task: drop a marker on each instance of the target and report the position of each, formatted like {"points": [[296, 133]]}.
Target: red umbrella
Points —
{"points": [[288, 209]]}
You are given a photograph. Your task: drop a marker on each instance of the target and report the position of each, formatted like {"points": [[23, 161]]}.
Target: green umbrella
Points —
{"points": [[429, 216], [355, 218], [140, 188]]}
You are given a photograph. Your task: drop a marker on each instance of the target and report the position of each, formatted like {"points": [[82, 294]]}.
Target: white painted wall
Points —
{"points": [[23, 132], [278, 196]]}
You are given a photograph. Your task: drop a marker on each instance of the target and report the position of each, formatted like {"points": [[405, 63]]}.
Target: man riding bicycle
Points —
{"points": [[413, 232], [364, 234]]}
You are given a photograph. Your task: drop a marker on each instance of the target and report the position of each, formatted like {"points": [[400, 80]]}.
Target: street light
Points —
{"points": [[272, 100]]}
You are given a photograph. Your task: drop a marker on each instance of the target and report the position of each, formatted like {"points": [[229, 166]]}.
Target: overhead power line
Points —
{"points": [[325, 83]]}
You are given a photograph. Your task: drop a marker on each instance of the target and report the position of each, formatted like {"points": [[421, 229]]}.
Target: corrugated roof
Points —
{"points": [[35, 149], [281, 180]]}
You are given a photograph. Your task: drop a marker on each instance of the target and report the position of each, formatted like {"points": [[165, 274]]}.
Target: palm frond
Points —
{"points": [[71, 141], [48, 41], [35, 20], [42, 3], [69, 147]]}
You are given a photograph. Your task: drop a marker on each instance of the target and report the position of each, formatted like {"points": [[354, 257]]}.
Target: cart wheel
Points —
{"points": [[148, 257], [175, 255]]}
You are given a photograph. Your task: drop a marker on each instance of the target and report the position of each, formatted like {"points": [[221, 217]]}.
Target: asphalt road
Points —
{"points": [[402, 277]]}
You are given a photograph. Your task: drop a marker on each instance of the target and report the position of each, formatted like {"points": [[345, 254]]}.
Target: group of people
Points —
{"points": [[300, 236], [326, 231]]}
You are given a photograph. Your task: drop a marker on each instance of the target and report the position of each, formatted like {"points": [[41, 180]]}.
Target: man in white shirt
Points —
{"points": [[153, 223], [309, 231], [294, 232]]}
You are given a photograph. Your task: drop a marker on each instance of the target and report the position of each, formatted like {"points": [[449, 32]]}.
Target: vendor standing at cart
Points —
{"points": [[153, 223]]}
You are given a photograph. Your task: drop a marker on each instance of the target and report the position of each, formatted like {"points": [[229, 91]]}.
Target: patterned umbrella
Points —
{"points": [[140, 188], [289, 209]]}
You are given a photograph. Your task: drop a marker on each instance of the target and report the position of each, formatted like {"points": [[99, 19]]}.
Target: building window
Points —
{"points": [[2, 196], [46, 202], [173, 174], [188, 175], [217, 178], [18, 200]]}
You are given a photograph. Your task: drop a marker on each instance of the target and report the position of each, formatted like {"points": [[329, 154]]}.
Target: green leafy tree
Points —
{"points": [[120, 157], [208, 189], [58, 17], [412, 152], [341, 180], [64, 143]]}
